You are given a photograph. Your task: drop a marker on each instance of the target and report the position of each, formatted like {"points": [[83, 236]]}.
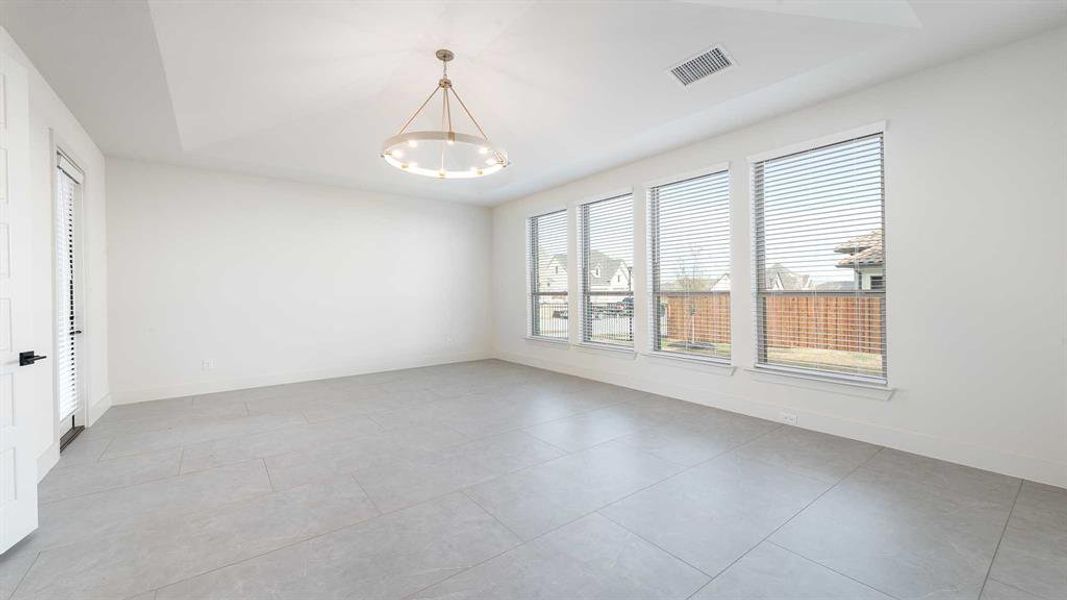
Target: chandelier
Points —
{"points": [[444, 153]]}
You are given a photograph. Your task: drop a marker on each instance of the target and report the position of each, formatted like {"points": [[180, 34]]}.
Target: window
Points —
{"points": [[67, 308], [607, 271], [689, 223], [548, 276], [820, 261]]}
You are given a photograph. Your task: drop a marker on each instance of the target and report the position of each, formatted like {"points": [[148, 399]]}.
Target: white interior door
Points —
{"points": [[18, 465]]}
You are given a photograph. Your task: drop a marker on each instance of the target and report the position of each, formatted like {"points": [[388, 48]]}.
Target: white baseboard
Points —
{"points": [[97, 410], [240, 383], [981, 457], [47, 460]]}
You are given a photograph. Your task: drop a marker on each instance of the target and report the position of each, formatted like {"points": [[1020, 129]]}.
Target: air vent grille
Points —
{"points": [[702, 65]]}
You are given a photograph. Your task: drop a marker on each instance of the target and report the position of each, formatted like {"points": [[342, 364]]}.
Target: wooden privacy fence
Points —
{"points": [[701, 318], [846, 322]]}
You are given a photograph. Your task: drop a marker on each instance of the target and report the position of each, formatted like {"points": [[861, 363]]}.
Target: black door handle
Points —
{"points": [[76, 332], [28, 358]]}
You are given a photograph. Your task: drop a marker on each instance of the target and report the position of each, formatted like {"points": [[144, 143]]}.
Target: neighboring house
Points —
{"points": [[698, 284], [781, 278], [866, 258], [553, 274], [607, 274]]}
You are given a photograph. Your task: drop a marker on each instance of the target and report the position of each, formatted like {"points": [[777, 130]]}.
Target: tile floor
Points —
{"points": [[493, 480]]}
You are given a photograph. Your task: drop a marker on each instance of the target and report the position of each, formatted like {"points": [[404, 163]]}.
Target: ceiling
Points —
{"points": [[308, 90]]}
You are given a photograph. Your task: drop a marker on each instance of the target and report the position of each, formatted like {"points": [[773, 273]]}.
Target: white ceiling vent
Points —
{"points": [[700, 66]]}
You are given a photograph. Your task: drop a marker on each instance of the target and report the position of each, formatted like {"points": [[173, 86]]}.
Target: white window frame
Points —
{"points": [[651, 219], [531, 283], [581, 239], [876, 128]]}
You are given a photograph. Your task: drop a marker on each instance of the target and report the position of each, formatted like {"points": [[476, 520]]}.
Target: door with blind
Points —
{"points": [[69, 180]]}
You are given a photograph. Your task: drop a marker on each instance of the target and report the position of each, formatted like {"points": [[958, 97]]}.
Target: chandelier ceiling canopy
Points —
{"points": [[444, 153]]}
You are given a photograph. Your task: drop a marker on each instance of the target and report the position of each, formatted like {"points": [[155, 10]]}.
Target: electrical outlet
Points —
{"points": [[207, 365], [787, 418]]}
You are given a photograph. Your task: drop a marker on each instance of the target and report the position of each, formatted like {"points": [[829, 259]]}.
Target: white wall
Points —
{"points": [[276, 281], [976, 190], [52, 125]]}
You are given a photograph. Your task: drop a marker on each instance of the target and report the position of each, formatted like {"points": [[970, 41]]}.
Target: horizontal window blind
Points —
{"points": [[548, 276], [820, 260], [689, 226], [67, 338], [607, 252]]}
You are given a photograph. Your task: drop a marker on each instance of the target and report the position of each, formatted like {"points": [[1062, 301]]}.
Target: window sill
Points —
{"points": [[718, 367], [547, 341], [618, 351], [829, 383]]}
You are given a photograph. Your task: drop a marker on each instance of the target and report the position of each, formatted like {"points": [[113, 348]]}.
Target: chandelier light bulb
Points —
{"points": [[446, 152]]}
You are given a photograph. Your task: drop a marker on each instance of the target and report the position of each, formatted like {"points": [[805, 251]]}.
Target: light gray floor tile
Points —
{"points": [[810, 453], [83, 450], [587, 429], [535, 500], [364, 403], [268, 472], [14, 564], [295, 403], [711, 515], [345, 456], [76, 480], [577, 397], [995, 590], [389, 557], [772, 573], [912, 527], [1033, 554], [99, 515], [590, 558], [691, 442], [638, 413], [428, 416], [480, 415], [172, 549], [597, 394], [394, 485], [157, 413], [297, 437], [153, 441]]}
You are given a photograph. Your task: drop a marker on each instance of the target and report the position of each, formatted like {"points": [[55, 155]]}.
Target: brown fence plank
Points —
{"points": [[851, 323]]}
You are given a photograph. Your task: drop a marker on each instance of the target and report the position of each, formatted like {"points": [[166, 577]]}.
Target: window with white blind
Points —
{"points": [[607, 252], [68, 191], [820, 260], [689, 244], [548, 276]]}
